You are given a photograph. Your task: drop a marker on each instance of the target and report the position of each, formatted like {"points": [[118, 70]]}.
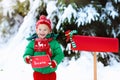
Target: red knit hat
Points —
{"points": [[43, 20]]}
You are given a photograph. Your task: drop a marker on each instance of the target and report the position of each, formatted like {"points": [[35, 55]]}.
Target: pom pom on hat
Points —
{"points": [[43, 20]]}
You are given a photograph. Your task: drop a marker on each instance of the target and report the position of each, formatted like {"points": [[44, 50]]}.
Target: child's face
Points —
{"points": [[42, 30]]}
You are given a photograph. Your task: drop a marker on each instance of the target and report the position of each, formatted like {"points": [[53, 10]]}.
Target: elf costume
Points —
{"points": [[47, 46]]}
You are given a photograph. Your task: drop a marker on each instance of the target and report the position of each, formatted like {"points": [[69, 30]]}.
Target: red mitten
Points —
{"points": [[28, 59], [53, 64]]}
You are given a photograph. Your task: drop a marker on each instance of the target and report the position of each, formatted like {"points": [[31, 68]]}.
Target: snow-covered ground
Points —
{"points": [[12, 66]]}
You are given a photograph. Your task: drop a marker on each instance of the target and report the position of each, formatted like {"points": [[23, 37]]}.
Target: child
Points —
{"points": [[51, 48]]}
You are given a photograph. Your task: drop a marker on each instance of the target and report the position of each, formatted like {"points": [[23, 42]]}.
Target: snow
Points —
{"points": [[110, 10], [13, 67], [68, 13], [51, 7], [116, 1], [86, 15], [21, 0], [7, 6]]}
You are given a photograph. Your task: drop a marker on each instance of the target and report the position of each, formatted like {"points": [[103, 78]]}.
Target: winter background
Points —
{"points": [[12, 66]]}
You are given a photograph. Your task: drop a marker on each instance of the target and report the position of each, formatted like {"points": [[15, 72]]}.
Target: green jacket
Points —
{"points": [[57, 55]]}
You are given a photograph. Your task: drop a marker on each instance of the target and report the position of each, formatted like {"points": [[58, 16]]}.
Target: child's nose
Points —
{"points": [[42, 31]]}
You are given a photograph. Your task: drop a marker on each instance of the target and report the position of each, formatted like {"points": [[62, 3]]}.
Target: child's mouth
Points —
{"points": [[42, 34]]}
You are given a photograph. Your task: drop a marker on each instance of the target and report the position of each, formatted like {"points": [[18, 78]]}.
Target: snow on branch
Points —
{"points": [[110, 10], [86, 15], [8, 7], [116, 1], [68, 13]]}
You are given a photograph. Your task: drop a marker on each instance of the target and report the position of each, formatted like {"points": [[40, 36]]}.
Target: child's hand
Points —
{"points": [[28, 59], [53, 64]]}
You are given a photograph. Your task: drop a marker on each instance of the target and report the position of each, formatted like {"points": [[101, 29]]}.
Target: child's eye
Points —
{"points": [[45, 29]]}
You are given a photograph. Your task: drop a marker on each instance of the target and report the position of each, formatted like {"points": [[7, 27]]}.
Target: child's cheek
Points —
{"points": [[37, 31]]}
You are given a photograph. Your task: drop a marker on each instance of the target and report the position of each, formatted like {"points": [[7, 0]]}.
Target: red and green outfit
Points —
{"points": [[53, 49]]}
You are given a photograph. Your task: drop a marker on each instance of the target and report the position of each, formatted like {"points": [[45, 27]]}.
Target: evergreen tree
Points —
{"points": [[88, 17], [97, 18]]}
